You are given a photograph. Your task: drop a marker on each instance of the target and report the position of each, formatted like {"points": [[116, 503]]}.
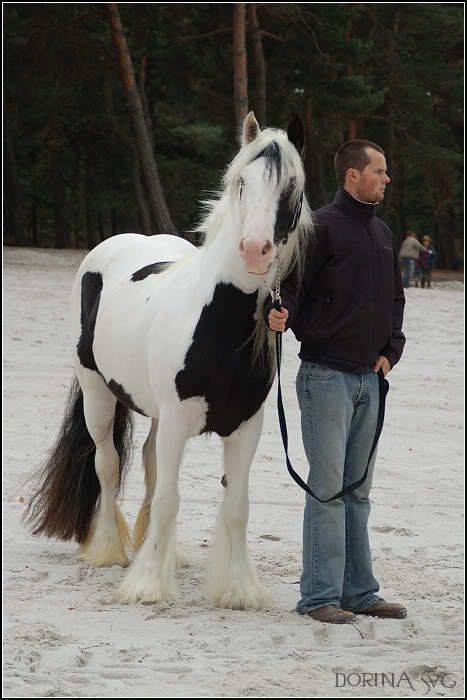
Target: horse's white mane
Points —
{"points": [[292, 255]]}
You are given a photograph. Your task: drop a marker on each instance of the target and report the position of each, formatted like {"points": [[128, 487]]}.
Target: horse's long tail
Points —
{"points": [[66, 487]]}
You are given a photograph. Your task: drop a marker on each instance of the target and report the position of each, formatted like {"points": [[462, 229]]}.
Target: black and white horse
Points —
{"points": [[176, 333]]}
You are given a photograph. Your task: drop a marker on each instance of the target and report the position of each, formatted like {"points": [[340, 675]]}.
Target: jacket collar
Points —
{"points": [[344, 201]]}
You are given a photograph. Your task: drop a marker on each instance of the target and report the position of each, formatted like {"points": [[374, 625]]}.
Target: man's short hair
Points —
{"points": [[352, 154]]}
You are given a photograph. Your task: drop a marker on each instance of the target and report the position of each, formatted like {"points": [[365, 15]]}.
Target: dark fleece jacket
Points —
{"points": [[350, 305]]}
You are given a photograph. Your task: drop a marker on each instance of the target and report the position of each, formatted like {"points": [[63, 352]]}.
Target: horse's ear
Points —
{"points": [[250, 129], [295, 133]]}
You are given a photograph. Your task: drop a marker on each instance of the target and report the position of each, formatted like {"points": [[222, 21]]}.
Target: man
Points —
{"points": [[347, 312]]}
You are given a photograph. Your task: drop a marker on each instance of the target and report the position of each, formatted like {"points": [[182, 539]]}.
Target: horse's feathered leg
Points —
{"points": [[232, 581], [150, 479], [108, 533], [151, 577]]}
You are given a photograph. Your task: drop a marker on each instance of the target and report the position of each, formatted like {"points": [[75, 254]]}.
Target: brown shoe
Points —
{"points": [[384, 609], [332, 614]]}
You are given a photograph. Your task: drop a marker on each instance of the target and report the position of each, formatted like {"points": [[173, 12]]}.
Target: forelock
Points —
{"points": [[281, 157]]}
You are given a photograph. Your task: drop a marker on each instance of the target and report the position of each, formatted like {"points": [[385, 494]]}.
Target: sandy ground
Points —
{"points": [[66, 637]]}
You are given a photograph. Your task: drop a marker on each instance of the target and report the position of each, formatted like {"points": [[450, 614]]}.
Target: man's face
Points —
{"points": [[372, 180]]}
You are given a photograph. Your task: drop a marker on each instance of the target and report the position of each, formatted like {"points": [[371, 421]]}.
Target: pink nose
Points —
{"points": [[256, 253]]}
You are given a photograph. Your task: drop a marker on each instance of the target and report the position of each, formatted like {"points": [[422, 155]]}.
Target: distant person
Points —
{"points": [[408, 254], [427, 262]]}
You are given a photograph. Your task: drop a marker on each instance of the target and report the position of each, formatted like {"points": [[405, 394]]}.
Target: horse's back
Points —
{"points": [[115, 264], [128, 253]]}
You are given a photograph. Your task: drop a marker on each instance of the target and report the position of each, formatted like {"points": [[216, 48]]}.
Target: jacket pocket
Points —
{"points": [[322, 305]]}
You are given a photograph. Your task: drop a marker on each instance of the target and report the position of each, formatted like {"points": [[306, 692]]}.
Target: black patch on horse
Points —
{"points": [[125, 398], [218, 363], [287, 216], [273, 156], [152, 269], [91, 288]]}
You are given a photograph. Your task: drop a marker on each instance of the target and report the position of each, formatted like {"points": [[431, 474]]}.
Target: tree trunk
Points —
{"points": [[34, 223], [240, 76], [90, 203], [114, 222], [309, 125], [144, 101], [101, 224], [56, 141], [146, 225], [322, 187], [393, 187], [144, 215], [402, 218], [314, 160], [76, 204], [340, 129], [444, 218], [352, 129], [59, 195], [14, 220], [157, 203], [352, 123], [260, 63], [391, 216]]}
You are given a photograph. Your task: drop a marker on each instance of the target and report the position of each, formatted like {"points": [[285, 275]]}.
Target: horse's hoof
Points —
{"points": [[102, 558], [134, 590], [255, 598]]}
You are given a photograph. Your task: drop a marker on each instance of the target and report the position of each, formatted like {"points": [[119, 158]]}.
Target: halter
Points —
{"points": [[276, 292]]}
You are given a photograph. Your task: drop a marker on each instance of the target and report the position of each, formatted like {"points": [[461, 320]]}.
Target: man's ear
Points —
{"points": [[352, 174]]}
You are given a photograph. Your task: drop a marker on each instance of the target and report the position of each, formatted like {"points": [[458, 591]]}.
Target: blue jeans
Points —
{"points": [[339, 413], [409, 270]]}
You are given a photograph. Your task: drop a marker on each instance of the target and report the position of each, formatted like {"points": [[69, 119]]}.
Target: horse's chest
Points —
{"points": [[219, 365]]}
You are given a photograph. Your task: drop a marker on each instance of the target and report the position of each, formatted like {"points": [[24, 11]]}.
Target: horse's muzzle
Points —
{"points": [[257, 253]]}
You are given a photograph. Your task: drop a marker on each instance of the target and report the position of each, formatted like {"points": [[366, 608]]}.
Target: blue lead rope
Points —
{"points": [[383, 390]]}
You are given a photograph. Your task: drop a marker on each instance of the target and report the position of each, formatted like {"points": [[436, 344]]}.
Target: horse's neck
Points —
{"points": [[222, 262]]}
